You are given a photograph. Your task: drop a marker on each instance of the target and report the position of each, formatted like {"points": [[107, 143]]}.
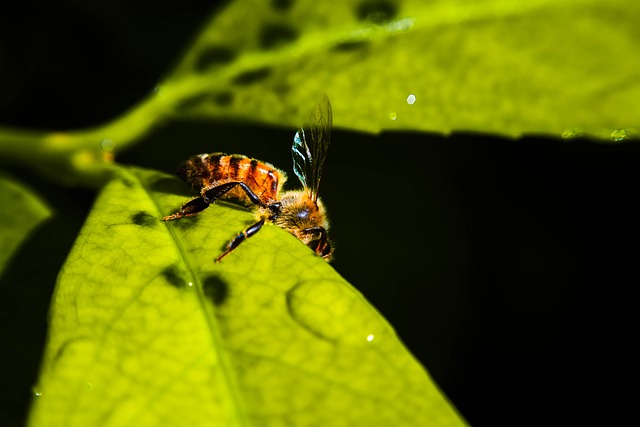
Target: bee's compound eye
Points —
{"points": [[303, 214]]}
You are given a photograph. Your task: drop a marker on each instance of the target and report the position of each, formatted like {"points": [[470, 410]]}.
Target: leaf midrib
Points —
{"points": [[216, 337]]}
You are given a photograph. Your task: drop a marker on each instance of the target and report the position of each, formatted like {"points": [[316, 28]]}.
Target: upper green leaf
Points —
{"points": [[565, 69], [147, 330], [539, 66]]}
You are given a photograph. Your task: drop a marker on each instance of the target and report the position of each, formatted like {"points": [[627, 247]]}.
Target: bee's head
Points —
{"points": [[299, 212], [306, 219]]}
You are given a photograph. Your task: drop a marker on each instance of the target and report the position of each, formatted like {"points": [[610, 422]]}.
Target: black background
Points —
{"points": [[507, 267]]}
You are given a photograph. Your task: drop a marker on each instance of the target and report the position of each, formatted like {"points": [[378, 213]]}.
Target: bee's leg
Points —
{"points": [[202, 202], [321, 246], [324, 249], [250, 231], [213, 194], [191, 208]]}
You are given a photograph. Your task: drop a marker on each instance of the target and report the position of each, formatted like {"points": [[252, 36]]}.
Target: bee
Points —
{"points": [[258, 185]]}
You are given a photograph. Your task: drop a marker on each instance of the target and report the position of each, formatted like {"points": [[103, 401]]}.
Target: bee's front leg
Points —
{"points": [[241, 237], [320, 246]]}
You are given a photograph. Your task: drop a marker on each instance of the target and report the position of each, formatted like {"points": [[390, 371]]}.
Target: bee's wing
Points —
{"points": [[310, 145]]}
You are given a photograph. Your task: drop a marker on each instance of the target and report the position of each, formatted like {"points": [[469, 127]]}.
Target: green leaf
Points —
{"points": [[22, 211], [499, 66], [565, 69], [82, 157], [147, 330]]}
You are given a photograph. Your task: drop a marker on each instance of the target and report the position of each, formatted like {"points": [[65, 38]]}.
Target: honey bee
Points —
{"points": [[258, 186]]}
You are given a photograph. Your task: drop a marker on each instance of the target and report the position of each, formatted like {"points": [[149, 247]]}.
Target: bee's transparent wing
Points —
{"points": [[310, 145]]}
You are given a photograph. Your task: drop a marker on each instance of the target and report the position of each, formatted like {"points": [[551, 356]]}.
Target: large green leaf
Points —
{"points": [[22, 211], [147, 330], [536, 66], [565, 69]]}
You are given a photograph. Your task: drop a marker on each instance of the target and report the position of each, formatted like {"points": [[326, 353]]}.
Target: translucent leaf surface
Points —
{"points": [[566, 69], [538, 66], [147, 330], [21, 211]]}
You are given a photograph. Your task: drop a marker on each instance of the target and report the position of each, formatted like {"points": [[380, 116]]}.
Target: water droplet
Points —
{"points": [[411, 99], [619, 134], [572, 133], [37, 391], [370, 337], [393, 115], [400, 25], [190, 284], [107, 144]]}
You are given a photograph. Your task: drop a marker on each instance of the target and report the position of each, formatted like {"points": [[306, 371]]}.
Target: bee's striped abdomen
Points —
{"points": [[206, 171]]}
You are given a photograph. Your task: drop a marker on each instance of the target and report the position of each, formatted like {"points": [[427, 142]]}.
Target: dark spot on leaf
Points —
{"points": [[215, 289], [223, 99], [281, 5], [185, 223], [275, 35], [174, 276], [281, 89], [253, 76], [190, 103], [143, 219], [377, 11], [214, 56], [351, 46]]}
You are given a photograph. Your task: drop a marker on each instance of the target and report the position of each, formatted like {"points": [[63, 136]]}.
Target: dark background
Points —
{"points": [[507, 267]]}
